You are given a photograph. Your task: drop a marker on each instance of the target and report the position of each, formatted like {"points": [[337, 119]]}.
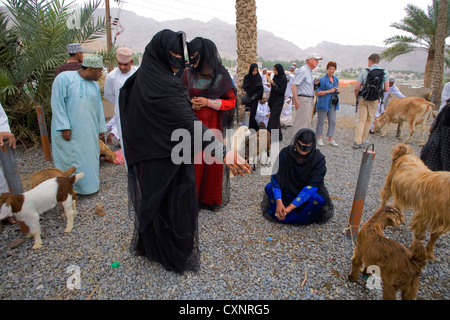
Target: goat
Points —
{"points": [[400, 268], [414, 110]]}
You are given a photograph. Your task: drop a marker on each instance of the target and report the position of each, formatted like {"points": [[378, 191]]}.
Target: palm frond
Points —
{"points": [[396, 50]]}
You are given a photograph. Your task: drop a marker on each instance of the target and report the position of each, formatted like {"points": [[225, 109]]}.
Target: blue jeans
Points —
{"points": [[304, 214]]}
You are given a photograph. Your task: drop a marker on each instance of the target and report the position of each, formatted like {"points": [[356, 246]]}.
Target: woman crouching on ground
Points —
{"points": [[296, 192]]}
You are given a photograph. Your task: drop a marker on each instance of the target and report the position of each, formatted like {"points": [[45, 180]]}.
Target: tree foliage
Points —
{"points": [[33, 39], [421, 27]]}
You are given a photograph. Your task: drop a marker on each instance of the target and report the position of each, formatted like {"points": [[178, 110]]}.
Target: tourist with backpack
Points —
{"points": [[369, 90]]}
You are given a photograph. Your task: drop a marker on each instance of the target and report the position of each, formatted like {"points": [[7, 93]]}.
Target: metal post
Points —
{"points": [[246, 121], [11, 174], [44, 135], [360, 193]]}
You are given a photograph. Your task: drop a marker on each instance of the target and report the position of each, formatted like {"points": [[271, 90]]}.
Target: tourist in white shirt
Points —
{"points": [[286, 114], [114, 81], [303, 93], [266, 84]]}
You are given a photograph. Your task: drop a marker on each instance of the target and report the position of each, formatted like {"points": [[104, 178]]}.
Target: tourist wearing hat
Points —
{"points": [[303, 92], [114, 81], [75, 59], [78, 122]]}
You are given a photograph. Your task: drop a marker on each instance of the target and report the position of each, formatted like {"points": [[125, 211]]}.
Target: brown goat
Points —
{"points": [[412, 185], [106, 151], [45, 174], [400, 268], [414, 110]]}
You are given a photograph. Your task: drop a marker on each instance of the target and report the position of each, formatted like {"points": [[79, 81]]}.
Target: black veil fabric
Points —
{"points": [[293, 175], [436, 152], [209, 67], [253, 84], [211, 70], [162, 194]]}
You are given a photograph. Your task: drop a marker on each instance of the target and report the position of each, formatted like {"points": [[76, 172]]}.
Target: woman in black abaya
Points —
{"points": [[162, 192], [253, 88], [436, 152], [276, 99]]}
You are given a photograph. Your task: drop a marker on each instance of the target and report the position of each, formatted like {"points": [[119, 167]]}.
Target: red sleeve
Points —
{"points": [[228, 100]]}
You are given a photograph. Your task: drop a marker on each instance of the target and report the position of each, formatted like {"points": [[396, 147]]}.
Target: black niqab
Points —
{"points": [[209, 67], [288, 172], [153, 102]]}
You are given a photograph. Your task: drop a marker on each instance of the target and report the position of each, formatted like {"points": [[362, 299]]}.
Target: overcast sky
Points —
{"points": [[305, 23]]}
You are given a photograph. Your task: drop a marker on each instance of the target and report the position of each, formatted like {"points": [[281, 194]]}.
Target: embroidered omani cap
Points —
{"points": [[93, 61]]}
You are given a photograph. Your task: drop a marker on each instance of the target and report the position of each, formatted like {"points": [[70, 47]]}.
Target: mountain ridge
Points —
{"points": [[139, 30]]}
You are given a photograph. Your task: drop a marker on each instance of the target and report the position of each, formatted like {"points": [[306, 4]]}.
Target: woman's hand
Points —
{"points": [[281, 210], [236, 163], [289, 208], [199, 102]]}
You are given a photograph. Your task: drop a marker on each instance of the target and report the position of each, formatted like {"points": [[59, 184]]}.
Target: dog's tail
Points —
{"points": [[418, 253], [400, 150]]}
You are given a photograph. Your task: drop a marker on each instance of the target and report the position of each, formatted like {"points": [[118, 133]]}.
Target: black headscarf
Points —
{"points": [[278, 88], [280, 80], [252, 82], [209, 68], [153, 102], [294, 174]]}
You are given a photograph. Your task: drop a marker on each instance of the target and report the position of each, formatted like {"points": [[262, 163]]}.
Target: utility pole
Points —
{"points": [[108, 32]]}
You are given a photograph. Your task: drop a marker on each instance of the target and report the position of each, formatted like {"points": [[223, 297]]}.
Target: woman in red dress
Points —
{"points": [[213, 98]]}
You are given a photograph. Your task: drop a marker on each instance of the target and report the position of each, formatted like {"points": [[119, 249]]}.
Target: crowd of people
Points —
{"points": [[166, 94]]}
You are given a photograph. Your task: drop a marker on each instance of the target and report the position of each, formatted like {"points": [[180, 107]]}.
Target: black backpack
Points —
{"points": [[373, 87]]}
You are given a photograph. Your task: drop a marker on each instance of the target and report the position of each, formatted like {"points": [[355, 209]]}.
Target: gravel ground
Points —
{"points": [[243, 255]]}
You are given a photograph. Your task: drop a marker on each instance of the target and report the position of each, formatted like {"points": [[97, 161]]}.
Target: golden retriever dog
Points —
{"points": [[45, 174], [412, 185], [413, 110], [400, 268]]}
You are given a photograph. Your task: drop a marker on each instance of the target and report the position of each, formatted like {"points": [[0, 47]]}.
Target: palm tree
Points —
{"points": [[439, 61], [246, 36], [33, 47], [422, 27]]}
